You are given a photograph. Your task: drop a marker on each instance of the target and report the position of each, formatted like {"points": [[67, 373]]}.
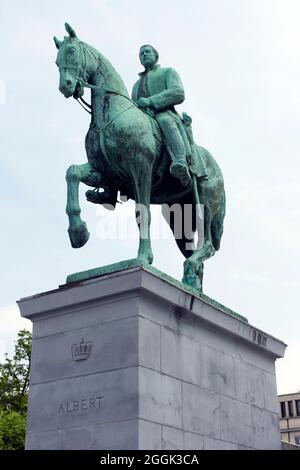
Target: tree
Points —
{"points": [[12, 430], [14, 384]]}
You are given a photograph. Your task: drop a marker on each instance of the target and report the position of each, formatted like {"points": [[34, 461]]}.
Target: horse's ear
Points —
{"points": [[57, 42], [70, 30]]}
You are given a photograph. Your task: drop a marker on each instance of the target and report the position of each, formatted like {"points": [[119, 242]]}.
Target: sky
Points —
{"points": [[240, 65]]}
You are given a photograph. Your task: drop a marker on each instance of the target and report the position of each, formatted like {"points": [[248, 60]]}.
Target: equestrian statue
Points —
{"points": [[143, 149]]}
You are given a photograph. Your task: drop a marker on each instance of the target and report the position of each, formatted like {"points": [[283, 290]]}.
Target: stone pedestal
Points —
{"points": [[133, 360]]}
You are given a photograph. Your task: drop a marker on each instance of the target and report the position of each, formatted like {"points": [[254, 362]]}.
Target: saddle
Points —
{"points": [[164, 185]]}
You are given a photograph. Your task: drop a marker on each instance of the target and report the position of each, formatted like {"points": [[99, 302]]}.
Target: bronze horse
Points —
{"points": [[125, 151]]}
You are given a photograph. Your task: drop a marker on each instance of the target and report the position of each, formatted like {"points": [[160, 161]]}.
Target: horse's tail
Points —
{"points": [[217, 224]]}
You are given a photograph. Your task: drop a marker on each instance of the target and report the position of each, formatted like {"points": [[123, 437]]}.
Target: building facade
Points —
{"points": [[289, 412]]}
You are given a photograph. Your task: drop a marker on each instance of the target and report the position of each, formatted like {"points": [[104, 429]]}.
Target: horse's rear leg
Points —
{"points": [[181, 219], [193, 266], [78, 232], [142, 190]]}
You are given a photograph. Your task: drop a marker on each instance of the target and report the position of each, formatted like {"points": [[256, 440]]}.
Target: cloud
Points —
{"points": [[287, 370], [2, 92]]}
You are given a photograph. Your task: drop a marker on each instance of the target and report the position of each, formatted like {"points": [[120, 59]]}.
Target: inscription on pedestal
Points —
{"points": [[259, 338], [85, 404]]}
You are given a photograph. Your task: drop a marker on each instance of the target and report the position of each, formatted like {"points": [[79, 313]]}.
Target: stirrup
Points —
{"points": [[105, 198]]}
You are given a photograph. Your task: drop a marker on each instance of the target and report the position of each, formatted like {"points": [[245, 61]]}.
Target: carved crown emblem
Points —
{"points": [[82, 350]]}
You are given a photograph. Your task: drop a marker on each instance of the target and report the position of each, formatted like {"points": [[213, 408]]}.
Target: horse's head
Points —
{"points": [[70, 60]]}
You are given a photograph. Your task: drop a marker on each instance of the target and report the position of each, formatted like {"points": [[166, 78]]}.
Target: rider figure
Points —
{"points": [[156, 92]]}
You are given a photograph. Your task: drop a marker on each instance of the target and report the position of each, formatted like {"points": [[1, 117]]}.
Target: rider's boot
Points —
{"points": [[179, 169], [108, 197], [177, 150]]}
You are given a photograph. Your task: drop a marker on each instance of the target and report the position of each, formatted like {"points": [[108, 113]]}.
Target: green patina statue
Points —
{"points": [[143, 148]]}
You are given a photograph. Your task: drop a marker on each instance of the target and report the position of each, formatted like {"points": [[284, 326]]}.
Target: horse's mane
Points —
{"points": [[90, 51], [105, 68]]}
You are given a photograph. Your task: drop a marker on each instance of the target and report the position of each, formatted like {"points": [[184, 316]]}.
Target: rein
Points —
{"points": [[85, 103], [94, 87]]}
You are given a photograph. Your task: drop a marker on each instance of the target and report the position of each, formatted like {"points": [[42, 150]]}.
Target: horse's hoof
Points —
{"points": [[190, 276], [145, 259], [79, 235]]}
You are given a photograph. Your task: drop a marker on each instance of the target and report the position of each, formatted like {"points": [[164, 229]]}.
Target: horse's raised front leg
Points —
{"points": [[78, 232], [142, 190]]}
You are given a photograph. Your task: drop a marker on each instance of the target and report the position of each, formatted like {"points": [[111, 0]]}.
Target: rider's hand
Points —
{"points": [[143, 102], [80, 81]]}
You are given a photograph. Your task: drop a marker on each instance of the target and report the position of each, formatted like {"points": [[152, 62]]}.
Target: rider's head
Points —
{"points": [[148, 56]]}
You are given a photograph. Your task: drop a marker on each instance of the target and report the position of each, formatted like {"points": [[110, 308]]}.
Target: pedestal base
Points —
{"points": [[131, 360]]}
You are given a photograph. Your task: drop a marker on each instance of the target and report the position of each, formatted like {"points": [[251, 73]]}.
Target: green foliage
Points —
{"points": [[14, 375], [12, 430], [14, 384]]}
